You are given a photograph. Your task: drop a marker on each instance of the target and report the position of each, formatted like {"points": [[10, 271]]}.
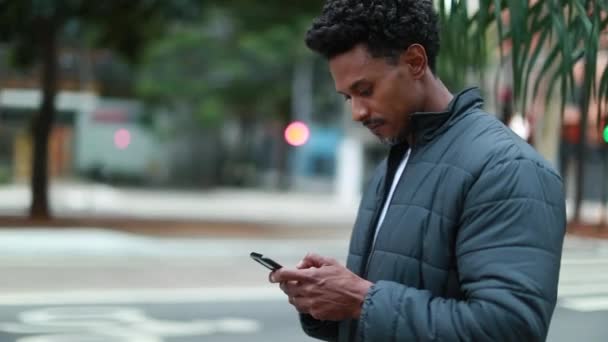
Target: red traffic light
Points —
{"points": [[297, 133]]}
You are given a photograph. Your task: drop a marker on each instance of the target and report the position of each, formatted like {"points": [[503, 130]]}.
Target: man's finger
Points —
{"points": [[290, 288], [309, 260], [285, 275], [283, 287], [315, 260], [302, 304]]}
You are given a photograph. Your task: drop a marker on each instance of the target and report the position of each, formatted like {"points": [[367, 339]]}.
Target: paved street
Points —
{"points": [[582, 310], [96, 285], [239, 318]]}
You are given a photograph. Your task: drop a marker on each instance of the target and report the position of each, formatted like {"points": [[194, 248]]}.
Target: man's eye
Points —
{"points": [[366, 92], [346, 98]]}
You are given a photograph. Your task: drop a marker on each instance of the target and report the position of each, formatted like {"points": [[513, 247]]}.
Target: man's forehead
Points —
{"points": [[350, 67]]}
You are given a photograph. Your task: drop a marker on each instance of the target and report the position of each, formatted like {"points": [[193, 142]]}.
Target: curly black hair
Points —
{"points": [[387, 27]]}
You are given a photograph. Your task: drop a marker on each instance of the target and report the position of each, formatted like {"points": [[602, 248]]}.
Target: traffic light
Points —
{"points": [[297, 133]]}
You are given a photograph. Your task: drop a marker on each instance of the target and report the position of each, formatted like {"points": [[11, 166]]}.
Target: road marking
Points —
{"points": [[582, 289], [588, 261], [584, 276], [585, 304], [104, 323], [137, 295], [583, 283]]}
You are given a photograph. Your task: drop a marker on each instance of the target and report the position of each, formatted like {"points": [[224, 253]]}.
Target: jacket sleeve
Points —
{"points": [[508, 251], [322, 330]]}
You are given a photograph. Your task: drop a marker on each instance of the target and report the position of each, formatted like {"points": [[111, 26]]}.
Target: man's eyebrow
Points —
{"points": [[354, 86], [357, 84]]}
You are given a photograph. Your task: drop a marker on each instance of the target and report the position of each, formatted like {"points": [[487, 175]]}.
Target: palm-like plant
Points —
{"points": [[547, 38]]}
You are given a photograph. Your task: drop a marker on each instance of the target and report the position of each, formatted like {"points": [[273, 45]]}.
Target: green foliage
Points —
{"points": [[229, 64], [241, 53], [210, 111], [122, 26], [5, 174], [463, 43], [256, 16], [550, 36]]}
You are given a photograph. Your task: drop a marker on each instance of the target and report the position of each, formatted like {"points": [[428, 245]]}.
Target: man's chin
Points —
{"points": [[390, 141]]}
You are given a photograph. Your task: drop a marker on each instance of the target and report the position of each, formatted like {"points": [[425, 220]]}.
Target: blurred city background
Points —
{"points": [[146, 147]]}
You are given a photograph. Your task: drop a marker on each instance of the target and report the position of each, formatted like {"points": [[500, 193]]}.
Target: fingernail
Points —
{"points": [[300, 264]]}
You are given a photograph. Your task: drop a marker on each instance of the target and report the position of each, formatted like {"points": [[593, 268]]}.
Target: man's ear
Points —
{"points": [[416, 60]]}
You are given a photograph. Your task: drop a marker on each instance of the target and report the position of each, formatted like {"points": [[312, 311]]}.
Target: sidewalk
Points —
{"points": [[231, 212], [223, 211]]}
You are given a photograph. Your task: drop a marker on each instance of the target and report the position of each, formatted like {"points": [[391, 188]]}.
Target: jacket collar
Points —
{"points": [[428, 125]]}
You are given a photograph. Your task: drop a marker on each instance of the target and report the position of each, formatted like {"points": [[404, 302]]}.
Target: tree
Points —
{"points": [[547, 38], [232, 64], [35, 29]]}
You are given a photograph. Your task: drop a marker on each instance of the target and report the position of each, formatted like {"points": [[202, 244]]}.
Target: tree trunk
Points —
{"points": [[581, 150], [604, 156], [43, 121]]}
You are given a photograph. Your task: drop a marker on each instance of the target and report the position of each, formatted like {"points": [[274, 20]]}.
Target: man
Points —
{"points": [[459, 233]]}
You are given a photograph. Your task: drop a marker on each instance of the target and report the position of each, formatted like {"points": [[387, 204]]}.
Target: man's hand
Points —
{"points": [[323, 288]]}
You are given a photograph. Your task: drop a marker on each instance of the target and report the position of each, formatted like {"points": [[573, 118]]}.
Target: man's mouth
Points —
{"points": [[374, 126]]}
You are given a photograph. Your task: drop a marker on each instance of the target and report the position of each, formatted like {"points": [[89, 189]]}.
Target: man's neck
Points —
{"points": [[439, 96], [438, 100]]}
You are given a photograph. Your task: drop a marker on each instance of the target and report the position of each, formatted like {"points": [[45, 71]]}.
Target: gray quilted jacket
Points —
{"points": [[471, 244]]}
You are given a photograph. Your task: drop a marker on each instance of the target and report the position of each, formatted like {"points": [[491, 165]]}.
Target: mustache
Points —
{"points": [[373, 122]]}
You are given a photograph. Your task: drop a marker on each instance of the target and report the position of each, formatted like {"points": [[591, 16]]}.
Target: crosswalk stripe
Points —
{"points": [[585, 304], [587, 261], [142, 295], [583, 283], [576, 278], [584, 270], [583, 288]]}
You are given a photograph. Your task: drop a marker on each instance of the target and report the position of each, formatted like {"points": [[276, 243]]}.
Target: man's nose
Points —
{"points": [[360, 112]]}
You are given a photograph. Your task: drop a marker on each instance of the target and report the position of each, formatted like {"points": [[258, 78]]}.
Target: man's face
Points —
{"points": [[382, 94]]}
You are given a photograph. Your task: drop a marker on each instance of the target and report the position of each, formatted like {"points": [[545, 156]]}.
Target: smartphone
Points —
{"points": [[266, 262]]}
